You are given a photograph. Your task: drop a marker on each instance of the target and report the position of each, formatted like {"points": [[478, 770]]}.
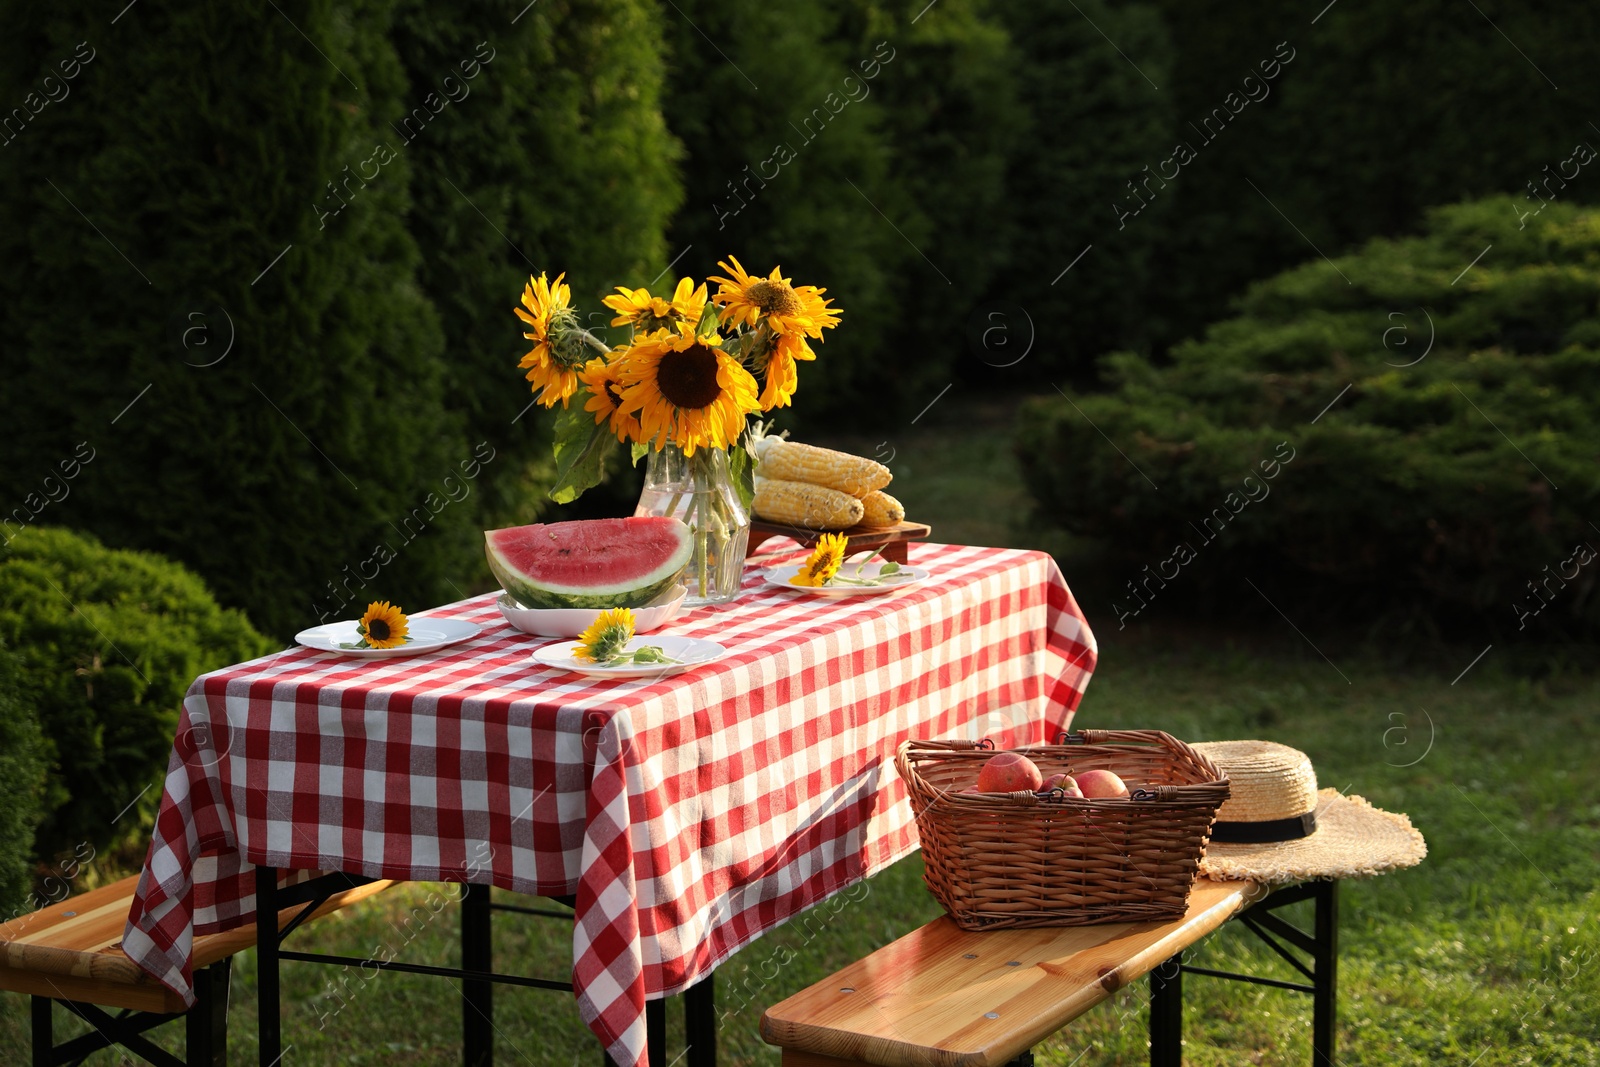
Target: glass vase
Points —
{"points": [[699, 490]]}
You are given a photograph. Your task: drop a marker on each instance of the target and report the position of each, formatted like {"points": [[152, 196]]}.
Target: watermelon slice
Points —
{"points": [[590, 563]]}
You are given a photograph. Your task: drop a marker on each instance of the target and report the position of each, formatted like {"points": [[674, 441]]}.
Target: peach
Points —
{"points": [[1009, 772], [1101, 785]]}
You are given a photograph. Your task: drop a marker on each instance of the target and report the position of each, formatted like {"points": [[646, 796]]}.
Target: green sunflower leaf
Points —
{"points": [[742, 468], [581, 449]]}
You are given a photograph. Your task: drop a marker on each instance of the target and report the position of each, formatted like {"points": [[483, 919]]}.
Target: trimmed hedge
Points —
{"points": [[1456, 403], [106, 643], [22, 785]]}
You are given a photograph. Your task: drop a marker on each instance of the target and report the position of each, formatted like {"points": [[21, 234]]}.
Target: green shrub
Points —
{"points": [[22, 784], [107, 642], [1431, 477]]}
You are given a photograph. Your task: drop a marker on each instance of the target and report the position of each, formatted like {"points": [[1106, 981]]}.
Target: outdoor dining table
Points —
{"points": [[683, 815]]}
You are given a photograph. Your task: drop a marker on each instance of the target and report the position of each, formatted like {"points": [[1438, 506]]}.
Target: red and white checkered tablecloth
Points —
{"points": [[688, 814]]}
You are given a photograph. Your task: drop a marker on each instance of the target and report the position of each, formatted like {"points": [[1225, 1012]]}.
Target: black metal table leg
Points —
{"points": [[1166, 1013], [268, 1026], [44, 1035], [655, 1031], [477, 995], [700, 1022], [207, 1022], [1325, 967]]}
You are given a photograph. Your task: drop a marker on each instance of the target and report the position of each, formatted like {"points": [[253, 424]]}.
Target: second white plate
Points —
{"points": [[779, 576], [427, 635], [690, 652]]}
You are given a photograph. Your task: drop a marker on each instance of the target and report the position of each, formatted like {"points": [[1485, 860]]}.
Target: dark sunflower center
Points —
{"points": [[688, 379], [378, 630], [772, 296]]}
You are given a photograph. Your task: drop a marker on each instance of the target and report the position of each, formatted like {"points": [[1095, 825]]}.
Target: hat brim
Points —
{"points": [[1353, 839]]}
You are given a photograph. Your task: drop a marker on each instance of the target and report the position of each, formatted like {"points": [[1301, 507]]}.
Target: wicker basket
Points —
{"points": [[1018, 859]]}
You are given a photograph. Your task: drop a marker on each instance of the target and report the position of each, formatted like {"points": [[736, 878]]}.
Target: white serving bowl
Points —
{"points": [[571, 622]]}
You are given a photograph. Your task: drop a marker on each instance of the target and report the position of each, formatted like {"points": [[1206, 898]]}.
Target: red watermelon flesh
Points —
{"points": [[590, 563]]}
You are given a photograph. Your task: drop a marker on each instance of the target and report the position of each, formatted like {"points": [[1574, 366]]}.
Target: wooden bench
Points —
{"points": [[71, 952], [945, 997]]}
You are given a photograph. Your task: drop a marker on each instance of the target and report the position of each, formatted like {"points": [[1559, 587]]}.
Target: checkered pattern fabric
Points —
{"points": [[688, 814]]}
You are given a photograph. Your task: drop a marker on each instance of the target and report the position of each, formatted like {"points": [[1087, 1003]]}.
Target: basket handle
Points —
{"points": [[1135, 737], [958, 744], [1165, 794]]}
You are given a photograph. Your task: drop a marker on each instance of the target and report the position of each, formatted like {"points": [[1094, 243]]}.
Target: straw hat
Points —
{"points": [[1276, 827]]}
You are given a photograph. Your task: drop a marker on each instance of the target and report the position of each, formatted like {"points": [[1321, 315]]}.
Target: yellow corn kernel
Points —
{"points": [[813, 507], [790, 461], [881, 509]]}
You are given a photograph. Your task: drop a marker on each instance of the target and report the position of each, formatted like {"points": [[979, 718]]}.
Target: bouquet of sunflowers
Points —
{"points": [[685, 383]]}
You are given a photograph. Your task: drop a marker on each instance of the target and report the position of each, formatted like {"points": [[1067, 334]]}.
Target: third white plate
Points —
{"points": [[779, 576], [690, 652]]}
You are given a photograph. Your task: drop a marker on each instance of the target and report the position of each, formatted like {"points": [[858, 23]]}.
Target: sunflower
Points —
{"points": [[773, 356], [560, 343], [787, 309], [824, 561], [606, 637], [650, 314], [686, 390], [600, 378], [383, 626]]}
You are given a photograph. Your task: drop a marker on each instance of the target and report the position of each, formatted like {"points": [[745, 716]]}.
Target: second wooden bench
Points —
{"points": [[946, 997]]}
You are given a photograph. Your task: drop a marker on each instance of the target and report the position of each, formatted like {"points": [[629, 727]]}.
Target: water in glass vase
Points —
{"points": [[699, 490]]}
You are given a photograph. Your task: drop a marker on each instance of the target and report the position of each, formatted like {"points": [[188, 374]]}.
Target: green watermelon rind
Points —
{"points": [[532, 595]]}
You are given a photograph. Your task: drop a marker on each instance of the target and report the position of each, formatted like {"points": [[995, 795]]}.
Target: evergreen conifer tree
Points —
{"points": [[208, 284]]}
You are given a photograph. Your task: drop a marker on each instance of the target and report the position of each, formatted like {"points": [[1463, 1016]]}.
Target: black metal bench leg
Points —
{"points": [[1325, 1000], [207, 1022], [268, 1026], [700, 1022], [44, 1035], [477, 996], [1166, 1013]]}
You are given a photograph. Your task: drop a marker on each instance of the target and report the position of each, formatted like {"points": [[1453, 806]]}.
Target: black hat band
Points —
{"points": [[1260, 833]]}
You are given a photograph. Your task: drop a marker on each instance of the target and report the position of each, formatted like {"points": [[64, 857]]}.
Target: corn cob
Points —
{"points": [[800, 504], [791, 461], [881, 509]]}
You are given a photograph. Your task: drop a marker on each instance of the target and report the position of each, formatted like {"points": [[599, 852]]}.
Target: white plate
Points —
{"points": [[427, 635], [570, 622], [779, 576], [690, 652]]}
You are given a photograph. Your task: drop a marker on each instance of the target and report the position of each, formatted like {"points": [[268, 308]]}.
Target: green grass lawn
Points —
{"points": [[1487, 955]]}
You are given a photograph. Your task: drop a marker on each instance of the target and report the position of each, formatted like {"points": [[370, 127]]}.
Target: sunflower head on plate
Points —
{"points": [[606, 637], [823, 563], [383, 626]]}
